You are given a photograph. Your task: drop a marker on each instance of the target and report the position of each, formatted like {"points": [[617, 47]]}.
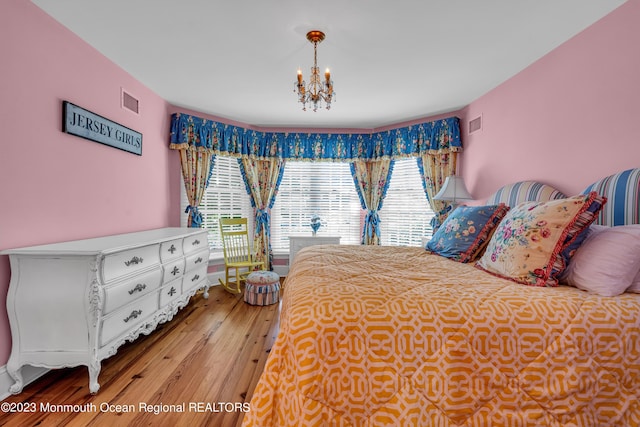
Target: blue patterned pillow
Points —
{"points": [[465, 232]]}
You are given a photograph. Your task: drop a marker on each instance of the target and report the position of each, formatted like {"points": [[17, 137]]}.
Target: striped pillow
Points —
{"points": [[524, 191], [622, 191]]}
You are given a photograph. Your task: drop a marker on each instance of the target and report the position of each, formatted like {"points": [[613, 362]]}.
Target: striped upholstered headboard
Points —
{"points": [[524, 191], [622, 191]]}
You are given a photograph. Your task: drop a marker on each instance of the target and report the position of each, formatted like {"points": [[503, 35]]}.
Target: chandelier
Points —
{"points": [[317, 90]]}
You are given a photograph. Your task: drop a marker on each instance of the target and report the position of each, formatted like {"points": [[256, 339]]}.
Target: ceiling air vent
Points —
{"points": [[129, 102], [475, 125]]}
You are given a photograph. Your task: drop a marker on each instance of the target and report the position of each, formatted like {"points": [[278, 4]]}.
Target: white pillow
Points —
{"points": [[608, 261]]}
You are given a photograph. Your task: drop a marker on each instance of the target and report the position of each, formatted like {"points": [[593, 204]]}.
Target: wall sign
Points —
{"points": [[85, 124]]}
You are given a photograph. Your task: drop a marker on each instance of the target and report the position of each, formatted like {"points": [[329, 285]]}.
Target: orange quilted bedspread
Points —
{"points": [[388, 336]]}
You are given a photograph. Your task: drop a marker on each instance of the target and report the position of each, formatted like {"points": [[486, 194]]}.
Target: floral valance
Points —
{"points": [[410, 141]]}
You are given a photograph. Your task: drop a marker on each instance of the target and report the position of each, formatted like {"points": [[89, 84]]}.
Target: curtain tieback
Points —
{"points": [[446, 209], [372, 223], [262, 220], [196, 216]]}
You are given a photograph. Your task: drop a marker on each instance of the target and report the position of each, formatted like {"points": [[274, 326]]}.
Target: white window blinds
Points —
{"points": [[226, 196], [323, 188], [405, 216]]}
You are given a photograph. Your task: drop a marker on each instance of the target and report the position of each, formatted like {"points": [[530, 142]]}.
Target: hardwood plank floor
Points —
{"points": [[207, 361]]}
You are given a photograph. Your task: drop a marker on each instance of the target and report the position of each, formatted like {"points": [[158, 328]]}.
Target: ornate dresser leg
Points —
{"points": [[15, 372], [94, 371]]}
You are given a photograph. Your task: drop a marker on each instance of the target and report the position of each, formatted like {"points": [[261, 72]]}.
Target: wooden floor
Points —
{"points": [[207, 361]]}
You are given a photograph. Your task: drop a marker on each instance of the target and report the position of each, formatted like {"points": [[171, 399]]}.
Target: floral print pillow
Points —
{"points": [[530, 244], [466, 231]]}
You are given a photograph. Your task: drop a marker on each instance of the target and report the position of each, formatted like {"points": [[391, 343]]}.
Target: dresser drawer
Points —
{"points": [[130, 261], [195, 243], [197, 260], [170, 292], [173, 270], [128, 317], [123, 293], [171, 250], [194, 278]]}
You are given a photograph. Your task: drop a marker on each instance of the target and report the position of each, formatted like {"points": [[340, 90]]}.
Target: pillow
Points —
{"points": [[465, 232], [527, 245], [635, 286], [608, 262], [569, 250]]}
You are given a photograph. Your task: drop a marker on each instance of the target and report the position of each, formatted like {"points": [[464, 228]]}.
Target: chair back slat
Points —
{"points": [[235, 240]]}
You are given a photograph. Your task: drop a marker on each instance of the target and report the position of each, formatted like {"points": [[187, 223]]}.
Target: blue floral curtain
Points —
{"points": [[409, 141], [421, 140], [197, 166], [262, 179], [435, 167], [371, 179]]}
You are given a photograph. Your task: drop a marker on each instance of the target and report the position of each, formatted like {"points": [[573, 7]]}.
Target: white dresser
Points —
{"points": [[298, 242], [75, 303]]}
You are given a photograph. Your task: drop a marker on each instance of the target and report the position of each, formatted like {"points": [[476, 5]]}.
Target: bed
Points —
{"points": [[392, 336]]}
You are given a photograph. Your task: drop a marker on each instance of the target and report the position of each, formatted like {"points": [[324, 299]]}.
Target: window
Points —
{"points": [[225, 196], [405, 216], [323, 188]]}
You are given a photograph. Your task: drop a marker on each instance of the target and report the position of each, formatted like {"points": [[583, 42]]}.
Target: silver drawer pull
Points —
{"points": [[198, 260], [175, 271], [133, 261], [195, 242], [172, 249], [172, 291], [196, 277], [138, 288], [134, 315]]}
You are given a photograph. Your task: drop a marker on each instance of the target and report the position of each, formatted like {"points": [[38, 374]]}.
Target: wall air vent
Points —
{"points": [[129, 102], [475, 125]]}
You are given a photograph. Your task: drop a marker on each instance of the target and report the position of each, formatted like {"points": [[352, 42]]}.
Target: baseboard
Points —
{"points": [[282, 270], [213, 278], [29, 373]]}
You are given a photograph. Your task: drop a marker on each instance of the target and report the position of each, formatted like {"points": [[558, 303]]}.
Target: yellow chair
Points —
{"points": [[237, 253]]}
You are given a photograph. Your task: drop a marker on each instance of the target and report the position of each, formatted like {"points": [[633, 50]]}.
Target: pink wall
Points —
{"points": [[568, 119], [55, 186]]}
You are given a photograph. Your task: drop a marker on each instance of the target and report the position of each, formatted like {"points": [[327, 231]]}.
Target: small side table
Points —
{"points": [[298, 242]]}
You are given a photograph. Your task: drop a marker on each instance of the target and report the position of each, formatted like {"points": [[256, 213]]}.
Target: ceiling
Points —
{"points": [[390, 61]]}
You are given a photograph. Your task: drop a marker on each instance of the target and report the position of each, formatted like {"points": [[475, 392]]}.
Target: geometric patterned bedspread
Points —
{"points": [[390, 336]]}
